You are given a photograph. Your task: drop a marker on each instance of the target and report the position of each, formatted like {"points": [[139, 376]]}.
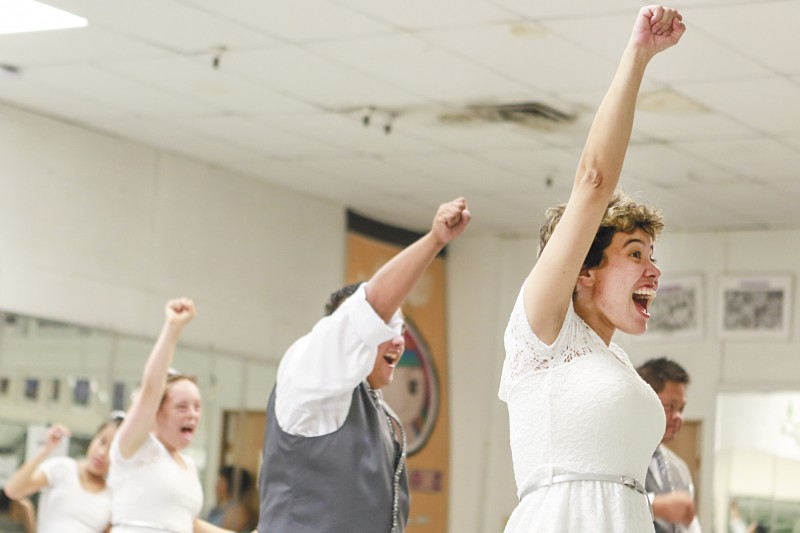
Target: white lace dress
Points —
{"points": [[577, 407]]}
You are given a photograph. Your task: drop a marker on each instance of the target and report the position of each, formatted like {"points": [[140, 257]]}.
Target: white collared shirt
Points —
{"points": [[320, 370]]}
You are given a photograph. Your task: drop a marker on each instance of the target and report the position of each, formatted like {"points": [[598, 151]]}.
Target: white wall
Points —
{"points": [[100, 231], [485, 275]]}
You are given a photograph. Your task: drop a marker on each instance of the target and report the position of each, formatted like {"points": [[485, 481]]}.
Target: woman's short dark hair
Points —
{"points": [[622, 214]]}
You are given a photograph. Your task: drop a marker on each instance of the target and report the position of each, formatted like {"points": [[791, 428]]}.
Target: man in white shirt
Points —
{"points": [[334, 453], [669, 482]]}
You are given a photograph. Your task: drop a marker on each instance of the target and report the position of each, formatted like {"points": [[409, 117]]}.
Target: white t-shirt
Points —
{"points": [[318, 373], [65, 506], [151, 489]]}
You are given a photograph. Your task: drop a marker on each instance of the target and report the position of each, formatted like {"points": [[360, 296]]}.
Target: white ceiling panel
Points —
{"points": [[218, 88], [689, 209], [528, 57], [463, 170], [755, 159], [540, 169], [171, 24], [423, 14], [95, 84], [386, 181], [752, 201], [314, 79], [682, 63], [261, 137], [545, 9], [177, 140], [770, 105], [72, 46], [676, 126], [765, 31], [421, 67], [670, 168], [468, 137], [292, 21], [350, 133], [43, 99]]}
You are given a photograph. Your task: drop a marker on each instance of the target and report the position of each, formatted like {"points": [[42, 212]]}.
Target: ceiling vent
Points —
{"points": [[528, 114]]}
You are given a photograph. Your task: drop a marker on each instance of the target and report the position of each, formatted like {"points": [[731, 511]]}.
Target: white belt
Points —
{"points": [[630, 482], [144, 525]]}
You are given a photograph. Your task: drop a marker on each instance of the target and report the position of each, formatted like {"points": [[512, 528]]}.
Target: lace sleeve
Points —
{"points": [[525, 353]]}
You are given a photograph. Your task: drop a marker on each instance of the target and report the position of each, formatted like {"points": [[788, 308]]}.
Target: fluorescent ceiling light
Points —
{"points": [[18, 16]]}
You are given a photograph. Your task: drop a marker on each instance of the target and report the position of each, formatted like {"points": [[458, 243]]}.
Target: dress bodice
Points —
{"points": [[577, 406]]}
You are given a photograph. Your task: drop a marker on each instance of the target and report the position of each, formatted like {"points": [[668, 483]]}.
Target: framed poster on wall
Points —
{"points": [[755, 307]]}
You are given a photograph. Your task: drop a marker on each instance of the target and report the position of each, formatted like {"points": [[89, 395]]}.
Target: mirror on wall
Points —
{"points": [[757, 462], [57, 372]]}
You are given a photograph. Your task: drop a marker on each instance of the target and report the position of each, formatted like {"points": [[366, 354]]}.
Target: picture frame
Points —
{"points": [[755, 307], [677, 313]]}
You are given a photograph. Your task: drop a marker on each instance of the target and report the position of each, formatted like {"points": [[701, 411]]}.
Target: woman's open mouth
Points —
{"points": [[642, 298]]}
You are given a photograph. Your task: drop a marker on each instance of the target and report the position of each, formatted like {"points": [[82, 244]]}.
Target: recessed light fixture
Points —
{"points": [[19, 16]]}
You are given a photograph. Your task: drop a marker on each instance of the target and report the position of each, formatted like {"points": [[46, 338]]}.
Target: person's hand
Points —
{"points": [[450, 220], [675, 507], [55, 434], [657, 28], [180, 311]]}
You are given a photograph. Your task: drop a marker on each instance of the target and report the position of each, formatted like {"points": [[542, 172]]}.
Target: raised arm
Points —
{"points": [[28, 479], [390, 285], [141, 416], [549, 287]]}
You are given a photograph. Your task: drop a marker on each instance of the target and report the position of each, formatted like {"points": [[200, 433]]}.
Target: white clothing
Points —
{"points": [[680, 478], [65, 506], [319, 371], [151, 487], [577, 406]]}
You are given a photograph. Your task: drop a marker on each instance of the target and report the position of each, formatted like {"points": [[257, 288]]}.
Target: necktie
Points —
{"points": [[666, 479], [391, 420]]}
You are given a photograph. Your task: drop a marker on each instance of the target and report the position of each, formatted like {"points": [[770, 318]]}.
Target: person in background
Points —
{"points": [[74, 497], [233, 486], [334, 453], [16, 516], [669, 482], [156, 487]]}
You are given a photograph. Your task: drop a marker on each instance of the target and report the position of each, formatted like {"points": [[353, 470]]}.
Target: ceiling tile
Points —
{"points": [[421, 68], [528, 57], [314, 79], [349, 133], [103, 87], [545, 9], [260, 137], [469, 173], [178, 140], [218, 88], [770, 105], [755, 159], [171, 24], [698, 57], [423, 14], [43, 99], [765, 31], [671, 168], [70, 46], [292, 21]]}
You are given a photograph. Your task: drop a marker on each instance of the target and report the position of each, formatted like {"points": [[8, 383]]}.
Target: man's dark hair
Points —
{"points": [[657, 372], [338, 297], [245, 479]]}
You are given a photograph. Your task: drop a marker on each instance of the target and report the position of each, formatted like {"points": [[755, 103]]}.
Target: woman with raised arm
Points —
{"points": [[73, 494], [155, 487], [583, 424]]}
